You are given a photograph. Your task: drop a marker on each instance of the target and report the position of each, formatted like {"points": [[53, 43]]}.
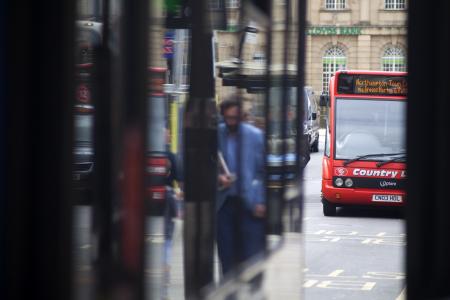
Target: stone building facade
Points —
{"points": [[354, 34], [340, 34]]}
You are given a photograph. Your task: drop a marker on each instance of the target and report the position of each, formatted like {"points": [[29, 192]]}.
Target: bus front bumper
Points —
{"points": [[362, 196]]}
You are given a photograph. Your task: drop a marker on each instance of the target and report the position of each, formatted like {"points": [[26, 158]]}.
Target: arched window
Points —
{"points": [[335, 4], [395, 4], [393, 59], [333, 60]]}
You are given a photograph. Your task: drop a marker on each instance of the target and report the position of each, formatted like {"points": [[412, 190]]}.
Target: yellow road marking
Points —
{"points": [[402, 295], [310, 283], [384, 275], [368, 286], [325, 284], [335, 273], [346, 285]]}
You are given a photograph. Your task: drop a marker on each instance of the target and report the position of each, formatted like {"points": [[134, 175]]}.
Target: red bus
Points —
{"points": [[364, 160]]}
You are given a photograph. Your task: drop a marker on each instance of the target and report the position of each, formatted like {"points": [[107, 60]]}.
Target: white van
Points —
{"points": [[311, 121]]}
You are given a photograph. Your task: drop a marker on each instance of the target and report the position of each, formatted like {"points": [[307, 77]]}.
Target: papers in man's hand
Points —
{"points": [[223, 165]]}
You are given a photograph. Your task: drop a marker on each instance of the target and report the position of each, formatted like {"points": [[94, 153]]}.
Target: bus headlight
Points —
{"points": [[348, 182], [338, 182]]}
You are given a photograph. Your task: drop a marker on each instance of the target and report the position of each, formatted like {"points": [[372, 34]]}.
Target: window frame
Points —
{"points": [[390, 55], [394, 5], [332, 54], [335, 5], [232, 3]]}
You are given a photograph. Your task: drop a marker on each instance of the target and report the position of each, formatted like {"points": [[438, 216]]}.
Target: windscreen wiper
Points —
{"points": [[400, 158], [349, 161]]}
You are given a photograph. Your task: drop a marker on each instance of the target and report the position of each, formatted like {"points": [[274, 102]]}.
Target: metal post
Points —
{"points": [[272, 193], [284, 110], [302, 141], [119, 140], [134, 79], [200, 128], [39, 90], [102, 204], [97, 10]]}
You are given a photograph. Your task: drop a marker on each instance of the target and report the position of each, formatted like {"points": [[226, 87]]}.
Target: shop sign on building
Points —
{"points": [[327, 30]]}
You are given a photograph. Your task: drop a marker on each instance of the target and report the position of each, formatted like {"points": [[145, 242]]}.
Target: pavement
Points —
{"points": [[284, 274]]}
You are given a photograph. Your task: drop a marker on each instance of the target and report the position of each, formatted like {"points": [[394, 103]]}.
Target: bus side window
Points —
{"points": [[327, 142]]}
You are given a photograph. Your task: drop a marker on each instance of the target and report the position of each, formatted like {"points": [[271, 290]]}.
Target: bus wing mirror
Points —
{"points": [[324, 100]]}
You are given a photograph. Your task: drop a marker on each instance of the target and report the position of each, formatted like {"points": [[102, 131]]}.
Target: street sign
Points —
{"points": [[168, 45], [83, 93]]}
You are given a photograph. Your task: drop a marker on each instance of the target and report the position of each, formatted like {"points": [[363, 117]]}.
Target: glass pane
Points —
{"points": [[369, 126], [84, 128]]}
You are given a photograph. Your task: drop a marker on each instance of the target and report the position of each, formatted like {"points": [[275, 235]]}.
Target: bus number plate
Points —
{"points": [[387, 198]]}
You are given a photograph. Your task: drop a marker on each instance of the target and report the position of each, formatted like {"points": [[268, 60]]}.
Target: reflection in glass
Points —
{"points": [[83, 128], [369, 126]]}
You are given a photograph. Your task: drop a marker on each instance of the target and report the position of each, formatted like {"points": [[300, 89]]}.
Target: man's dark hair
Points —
{"points": [[228, 103]]}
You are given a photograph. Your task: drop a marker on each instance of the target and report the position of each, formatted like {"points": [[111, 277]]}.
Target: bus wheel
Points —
{"points": [[329, 210]]}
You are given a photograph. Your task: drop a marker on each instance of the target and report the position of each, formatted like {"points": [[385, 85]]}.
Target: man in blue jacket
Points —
{"points": [[241, 198]]}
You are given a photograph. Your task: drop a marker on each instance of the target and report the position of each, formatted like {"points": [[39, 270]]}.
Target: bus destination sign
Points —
{"points": [[372, 85]]}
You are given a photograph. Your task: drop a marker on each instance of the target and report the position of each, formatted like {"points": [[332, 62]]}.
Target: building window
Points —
{"points": [[333, 60], [393, 59], [335, 4], [218, 4], [232, 3], [214, 4], [395, 4]]}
